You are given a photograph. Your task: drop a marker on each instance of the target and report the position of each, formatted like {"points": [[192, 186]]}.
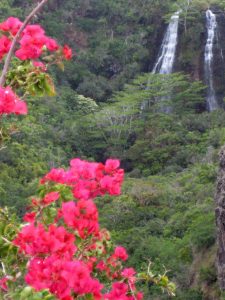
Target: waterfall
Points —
{"points": [[211, 25], [166, 57], [165, 61]]}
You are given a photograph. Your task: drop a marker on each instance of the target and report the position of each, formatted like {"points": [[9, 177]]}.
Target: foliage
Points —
{"points": [[120, 124], [62, 252], [45, 238], [169, 219], [166, 211]]}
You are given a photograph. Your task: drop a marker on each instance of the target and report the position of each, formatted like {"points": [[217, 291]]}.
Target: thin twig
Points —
{"points": [[16, 39], [3, 268], [6, 240]]}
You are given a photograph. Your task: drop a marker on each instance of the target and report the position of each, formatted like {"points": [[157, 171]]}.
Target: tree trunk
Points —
{"points": [[220, 220]]}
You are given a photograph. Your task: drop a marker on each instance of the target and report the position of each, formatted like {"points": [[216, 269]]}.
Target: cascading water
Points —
{"points": [[166, 58], [165, 61], [211, 25]]}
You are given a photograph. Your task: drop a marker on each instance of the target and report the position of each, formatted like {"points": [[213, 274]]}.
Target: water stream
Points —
{"points": [[165, 61], [211, 25]]}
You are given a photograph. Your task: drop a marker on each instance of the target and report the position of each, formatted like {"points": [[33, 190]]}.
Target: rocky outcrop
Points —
{"points": [[220, 220], [191, 47]]}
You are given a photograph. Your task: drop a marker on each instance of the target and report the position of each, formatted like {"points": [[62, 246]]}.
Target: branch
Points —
{"points": [[15, 41]]}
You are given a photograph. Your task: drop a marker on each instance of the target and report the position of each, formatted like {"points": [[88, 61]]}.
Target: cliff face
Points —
{"points": [[191, 46], [220, 220], [154, 48]]}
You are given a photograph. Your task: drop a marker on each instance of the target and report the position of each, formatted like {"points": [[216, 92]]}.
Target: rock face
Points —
{"points": [[220, 220], [191, 48]]}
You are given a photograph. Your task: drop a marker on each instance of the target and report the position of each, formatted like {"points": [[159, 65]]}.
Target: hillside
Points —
{"points": [[159, 124]]}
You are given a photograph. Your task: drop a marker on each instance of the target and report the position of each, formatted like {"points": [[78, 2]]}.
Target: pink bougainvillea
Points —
{"points": [[10, 103], [33, 46], [33, 42], [69, 253], [61, 245]]}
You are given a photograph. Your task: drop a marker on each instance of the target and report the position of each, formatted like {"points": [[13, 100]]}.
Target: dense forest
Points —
{"points": [[109, 103]]}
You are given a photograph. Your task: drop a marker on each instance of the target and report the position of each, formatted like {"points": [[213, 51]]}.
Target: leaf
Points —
{"points": [[61, 66], [49, 86]]}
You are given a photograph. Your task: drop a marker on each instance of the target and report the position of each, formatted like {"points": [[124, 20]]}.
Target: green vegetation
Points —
{"points": [[168, 219], [166, 213]]}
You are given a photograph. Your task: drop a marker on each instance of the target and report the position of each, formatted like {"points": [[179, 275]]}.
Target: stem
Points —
{"points": [[3, 268], [16, 39], [6, 240], [132, 292]]}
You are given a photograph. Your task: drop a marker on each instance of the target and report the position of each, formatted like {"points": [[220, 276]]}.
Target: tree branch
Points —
{"points": [[16, 39]]}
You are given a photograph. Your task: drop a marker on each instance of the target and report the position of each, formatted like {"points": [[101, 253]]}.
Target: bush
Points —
{"points": [[202, 231], [208, 274]]}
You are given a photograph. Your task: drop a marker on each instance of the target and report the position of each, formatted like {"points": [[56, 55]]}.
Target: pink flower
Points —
{"points": [[111, 165], [120, 253], [3, 284], [62, 278], [31, 52], [109, 184], [50, 197], [128, 273], [11, 25], [55, 262], [87, 179], [86, 170], [55, 175], [67, 52], [82, 216], [51, 44], [34, 30], [102, 266], [29, 217], [31, 43], [119, 292], [5, 44], [10, 103], [35, 241], [40, 65], [139, 296]]}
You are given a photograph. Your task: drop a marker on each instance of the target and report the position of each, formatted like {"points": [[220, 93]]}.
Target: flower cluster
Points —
{"points": [[120, 291], [36, 241], [63, 277], [10, 103], [11, 25], [89, 180], [33, 46], [33, 42], [5, 44], [61, 246], [67, 251]]}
